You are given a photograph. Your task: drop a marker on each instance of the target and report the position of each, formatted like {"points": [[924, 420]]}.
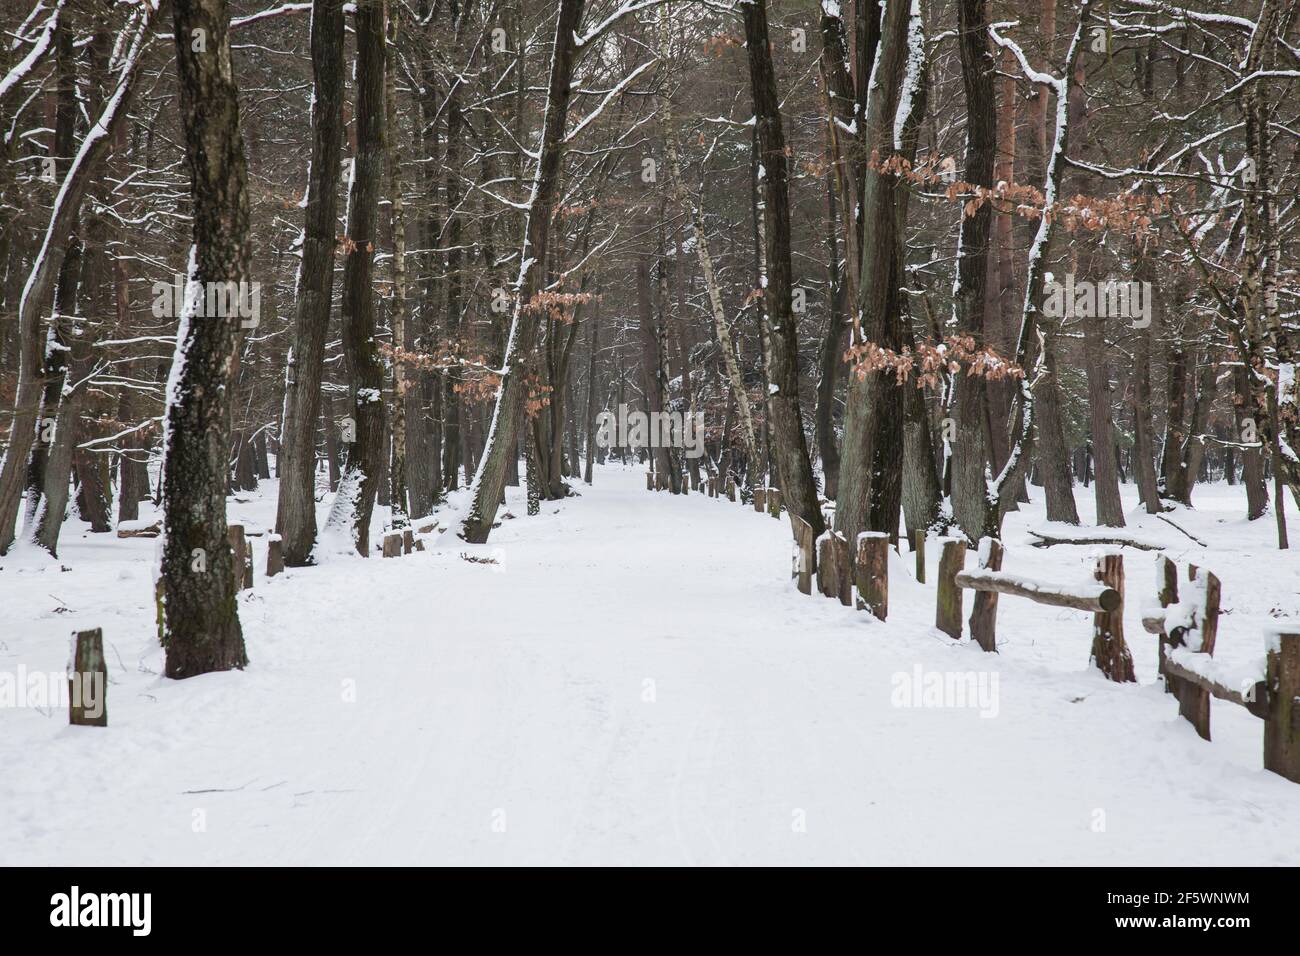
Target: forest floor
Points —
{"points": [[635, 680]]}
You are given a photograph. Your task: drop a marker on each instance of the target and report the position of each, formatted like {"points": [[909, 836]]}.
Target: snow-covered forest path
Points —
{"points": [[633, 681]]}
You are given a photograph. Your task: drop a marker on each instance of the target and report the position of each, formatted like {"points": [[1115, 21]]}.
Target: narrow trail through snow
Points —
{"points": [[634, 681]]}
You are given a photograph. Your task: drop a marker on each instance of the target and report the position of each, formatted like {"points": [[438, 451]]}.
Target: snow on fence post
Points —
{"points": [[1193, 700], [984, 609], [274, 555], [947, 612], [1109, 652], [804, 561], [1167, 579], [243, 554], [88, 680], [1282, 726], [760, 499], [833, 574], [918, 549], [392, 544], [871, 571]]}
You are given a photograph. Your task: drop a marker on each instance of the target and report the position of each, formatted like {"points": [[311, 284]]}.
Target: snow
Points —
{"points": [[912, 78], [636, 681]]}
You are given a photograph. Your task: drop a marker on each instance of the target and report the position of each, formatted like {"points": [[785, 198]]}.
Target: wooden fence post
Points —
{"points": [[947, 612], [918, 548], [1194, 701], [392, 544], [649, 481], [1167, 579], [833, 577], [804, 562], [731, 488], [1282, 728], [408, 540], [774, 498], [760, 499], [88, 682], [984, 609], [1109, 651], [243, 555], [871, 570], [274, 555]]}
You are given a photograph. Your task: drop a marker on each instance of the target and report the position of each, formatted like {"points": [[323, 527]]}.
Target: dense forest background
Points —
{"points": [[911, 261]]}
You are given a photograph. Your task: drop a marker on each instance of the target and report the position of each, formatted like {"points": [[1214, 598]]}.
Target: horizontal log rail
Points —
{"points": [[1086, 597], [1256, 701]]}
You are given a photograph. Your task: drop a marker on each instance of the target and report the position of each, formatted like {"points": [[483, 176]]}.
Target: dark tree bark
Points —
{"points": [[1053, 456], [1144, 456], [970, 447], [830, 357], [200, 613], [296, 512], [789, 446], [363, 464], [1110, 508], [451, 401]]}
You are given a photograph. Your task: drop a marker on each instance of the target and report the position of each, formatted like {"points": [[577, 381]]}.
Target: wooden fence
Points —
{"points": [[859, 577]]}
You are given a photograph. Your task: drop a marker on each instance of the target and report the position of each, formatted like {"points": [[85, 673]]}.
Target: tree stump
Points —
{"points": [[731, 489], [947, 611], [984, 608], [88, 681], [1110, 653], [392, 544], [1282, 728], [804, 563], [408, 540], [760, 499], [871, 570], [833, 574], [274, 555], [918, 549]]}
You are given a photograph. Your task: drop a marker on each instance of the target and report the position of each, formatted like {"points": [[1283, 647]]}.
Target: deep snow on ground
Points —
{"points": [[634, 680]]}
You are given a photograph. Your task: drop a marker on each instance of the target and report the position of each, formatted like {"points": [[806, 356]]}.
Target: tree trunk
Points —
{"points": [[397, 212], [363, 462], [1110, 508], [789, 445], [970, 448], [876, 279], [200, 628], [296, 510], [489, 481]]}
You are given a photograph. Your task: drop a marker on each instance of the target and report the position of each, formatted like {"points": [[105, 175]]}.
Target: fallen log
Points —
{"points": [[1048, 540]]}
